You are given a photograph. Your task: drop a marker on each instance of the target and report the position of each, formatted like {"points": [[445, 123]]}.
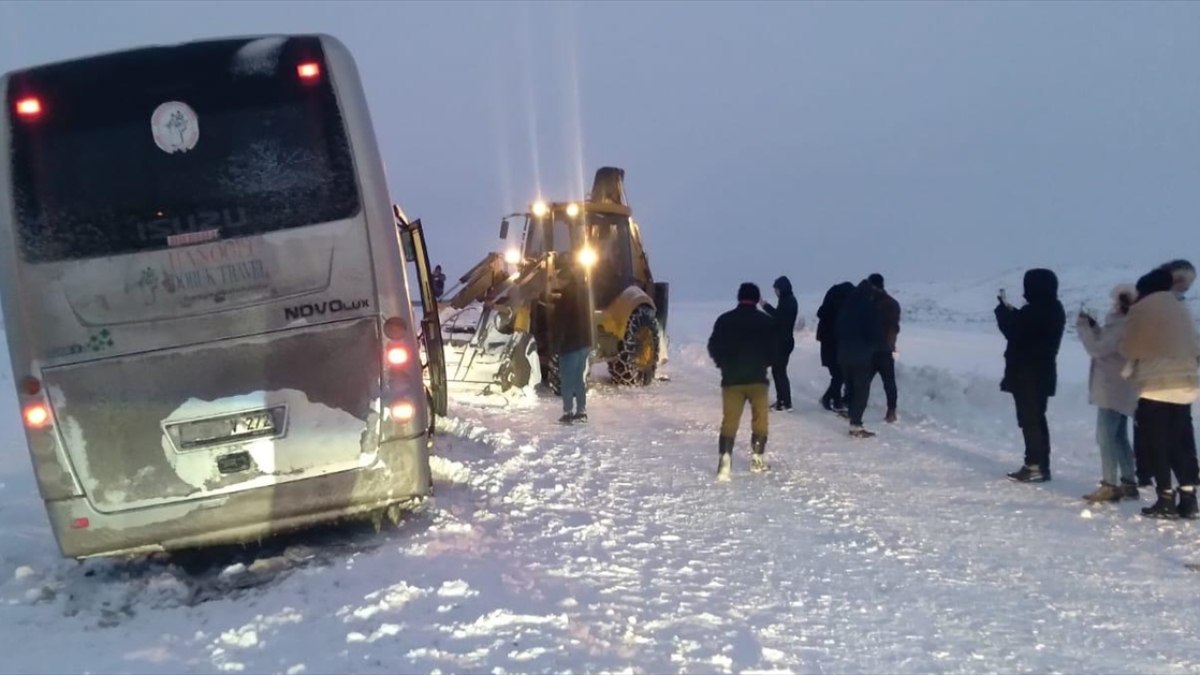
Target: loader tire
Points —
{"points": [[637, 356], [554, 375]]}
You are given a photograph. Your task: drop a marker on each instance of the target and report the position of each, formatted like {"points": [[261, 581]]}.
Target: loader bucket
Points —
{"points": [[486, 366]]}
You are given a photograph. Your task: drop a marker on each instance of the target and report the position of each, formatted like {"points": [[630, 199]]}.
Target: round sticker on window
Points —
{"points": [[175, 126]]}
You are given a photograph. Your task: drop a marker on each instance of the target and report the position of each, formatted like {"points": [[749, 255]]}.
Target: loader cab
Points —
{"points": [[599, 238]]}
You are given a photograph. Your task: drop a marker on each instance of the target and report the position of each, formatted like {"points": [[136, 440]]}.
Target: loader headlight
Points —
{"points": [[512, 256], [540, 209], [572, 210], [587, 256]]}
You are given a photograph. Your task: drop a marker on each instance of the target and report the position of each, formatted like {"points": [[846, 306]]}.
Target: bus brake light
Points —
{"points": [[37, 416], [309, 70], [403, 411], [29, 107], [397, 355]]}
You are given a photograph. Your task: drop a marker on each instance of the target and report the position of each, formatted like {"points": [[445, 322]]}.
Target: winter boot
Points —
{"points": [[758, 449], [579, 418], [1129, 490], [857, 431], [827, 403], [891, 418], [724, 458], [567, 418], [1187, 503], [1105, 493], [1030, 474], [1164, 508]]}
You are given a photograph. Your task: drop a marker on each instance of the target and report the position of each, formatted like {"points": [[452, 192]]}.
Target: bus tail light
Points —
{"points": [[29, 107], [402, 411], [31, 386], [394, 328], [80, 524], [309, 70], [36, 416], [397, 355]]}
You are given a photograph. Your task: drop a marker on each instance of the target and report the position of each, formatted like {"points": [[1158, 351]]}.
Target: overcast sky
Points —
{"points": [[926, 141]]}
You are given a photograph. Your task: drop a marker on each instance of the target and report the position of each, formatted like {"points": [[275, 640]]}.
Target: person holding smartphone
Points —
{"points": [[1034, 334], [1114, 396]]}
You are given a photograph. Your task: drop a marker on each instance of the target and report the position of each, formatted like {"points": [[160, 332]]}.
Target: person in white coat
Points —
{"points": [[1114, 396], [1163, 349]]}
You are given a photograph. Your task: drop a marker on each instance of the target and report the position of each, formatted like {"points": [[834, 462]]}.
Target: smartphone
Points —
{"points": [[1003, 296]]}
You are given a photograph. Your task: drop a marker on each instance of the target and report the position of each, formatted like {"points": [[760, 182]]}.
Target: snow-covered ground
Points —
{"points": [[611, 548]]}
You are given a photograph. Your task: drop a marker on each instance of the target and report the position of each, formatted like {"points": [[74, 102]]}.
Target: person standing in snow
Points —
{"points": [[1115, 397], [742, 345], [573, 317], [1163, 349], [1183, 274], [834, 398], [860, 337], [439, 282], [885, 361], [785, 326], [1034, 334]]}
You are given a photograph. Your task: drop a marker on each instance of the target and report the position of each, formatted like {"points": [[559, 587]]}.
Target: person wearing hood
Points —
{"points": [[1162, 347], [785, 326], [1034, 335], [1115, 397], [742, 346], [834, 398], [885, 361], [860, 336]]}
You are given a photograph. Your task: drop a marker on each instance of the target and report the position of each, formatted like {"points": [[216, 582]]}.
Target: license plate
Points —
{"points": [[253, 423], [229, 428]]}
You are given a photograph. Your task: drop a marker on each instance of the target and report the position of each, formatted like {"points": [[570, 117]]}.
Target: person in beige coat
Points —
{"points": [[1162, 347], [1114, 396]]}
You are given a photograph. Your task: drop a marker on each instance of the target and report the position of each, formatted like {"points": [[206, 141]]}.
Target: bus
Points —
{"points": [[205, 289]]}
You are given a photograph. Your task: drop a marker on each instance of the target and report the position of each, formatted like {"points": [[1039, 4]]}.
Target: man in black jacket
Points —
{"points": [[860, 338], [785, 327], [834, 397], [742, 345], [1034, 333], [885, 361], [573, 319]]}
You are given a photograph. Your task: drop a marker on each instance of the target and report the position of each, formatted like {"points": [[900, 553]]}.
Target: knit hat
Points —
{"points": [[749, 292]]}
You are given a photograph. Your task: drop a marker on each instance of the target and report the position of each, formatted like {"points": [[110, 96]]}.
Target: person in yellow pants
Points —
{"points": [[743, 346]]}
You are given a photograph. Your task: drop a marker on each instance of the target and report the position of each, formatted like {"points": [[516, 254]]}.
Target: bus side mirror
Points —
{"points": [[504, 228]]}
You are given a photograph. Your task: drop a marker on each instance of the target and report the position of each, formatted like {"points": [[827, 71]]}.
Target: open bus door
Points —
{"points": [[412, 238]]}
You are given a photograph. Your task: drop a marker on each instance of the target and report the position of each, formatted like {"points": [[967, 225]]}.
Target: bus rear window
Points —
{"points": [[141, 150]]}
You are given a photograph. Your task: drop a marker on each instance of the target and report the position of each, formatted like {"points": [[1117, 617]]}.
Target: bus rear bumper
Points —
{"points": [[401, 474]]}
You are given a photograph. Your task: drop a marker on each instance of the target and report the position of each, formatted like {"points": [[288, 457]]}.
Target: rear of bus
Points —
{"points": [[204, 295]]}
